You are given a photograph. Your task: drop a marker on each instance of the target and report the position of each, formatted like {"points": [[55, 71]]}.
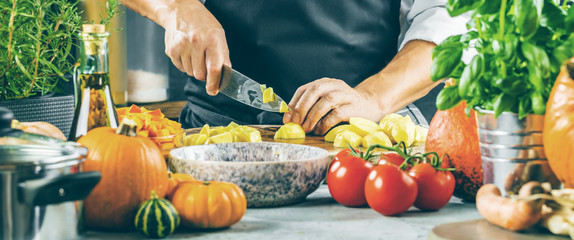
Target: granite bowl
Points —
{"points": [[271, 174]]}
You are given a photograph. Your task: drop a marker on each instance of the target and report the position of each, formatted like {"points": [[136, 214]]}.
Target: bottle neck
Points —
{"points": [[94, 53]]}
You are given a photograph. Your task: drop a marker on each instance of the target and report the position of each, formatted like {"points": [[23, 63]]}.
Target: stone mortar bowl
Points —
{"points": [[270, 174]]}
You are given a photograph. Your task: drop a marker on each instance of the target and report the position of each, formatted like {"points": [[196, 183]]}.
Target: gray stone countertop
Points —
{"points": [[320, 217]]}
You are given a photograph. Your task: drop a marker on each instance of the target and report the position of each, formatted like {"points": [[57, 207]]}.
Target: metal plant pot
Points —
{"points": [[512, 151]]}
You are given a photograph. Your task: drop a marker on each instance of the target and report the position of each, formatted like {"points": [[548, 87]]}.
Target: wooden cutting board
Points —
{"points": [[481, 229], [268, 131]]}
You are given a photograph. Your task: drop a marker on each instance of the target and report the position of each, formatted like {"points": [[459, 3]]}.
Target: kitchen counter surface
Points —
{"points": [[320, 217]]}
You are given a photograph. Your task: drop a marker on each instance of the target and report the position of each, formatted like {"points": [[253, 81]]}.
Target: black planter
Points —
{"points": [[55, 109]]}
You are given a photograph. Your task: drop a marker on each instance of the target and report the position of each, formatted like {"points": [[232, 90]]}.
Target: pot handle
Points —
{"points": [[69, 187]]}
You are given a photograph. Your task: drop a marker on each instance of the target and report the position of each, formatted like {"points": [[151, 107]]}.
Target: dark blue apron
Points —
{"points": [[288, 43]]}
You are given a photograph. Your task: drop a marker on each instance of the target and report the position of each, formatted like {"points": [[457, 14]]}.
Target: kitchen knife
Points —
{"points": [[244, 89]]}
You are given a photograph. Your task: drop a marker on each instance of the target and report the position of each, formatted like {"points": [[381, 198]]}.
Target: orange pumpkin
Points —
{"points": [[131, 167], [454, 133], [558, 133], [174, 180], [41, 128], [210, 204]]}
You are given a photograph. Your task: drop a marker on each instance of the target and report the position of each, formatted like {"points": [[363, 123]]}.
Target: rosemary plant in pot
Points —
{"points": [[519, 46], [37, 43]]}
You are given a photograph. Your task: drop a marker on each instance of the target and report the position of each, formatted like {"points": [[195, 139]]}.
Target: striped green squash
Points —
{"points": [[156, 217]]}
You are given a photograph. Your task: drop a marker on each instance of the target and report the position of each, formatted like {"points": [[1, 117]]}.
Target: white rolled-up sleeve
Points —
{"points": [[428, 20]]}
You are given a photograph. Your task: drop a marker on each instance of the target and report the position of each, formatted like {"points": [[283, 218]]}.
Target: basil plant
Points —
{"points": [[520, 47]]}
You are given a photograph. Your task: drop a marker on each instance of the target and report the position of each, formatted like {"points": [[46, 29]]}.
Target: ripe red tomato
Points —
{"points": [[344, 154], [393, 158], [435, 186], [346, 180], [389, 190]]}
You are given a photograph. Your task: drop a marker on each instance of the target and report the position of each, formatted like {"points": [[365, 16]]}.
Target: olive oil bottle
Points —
{"points": [[94, 103]]}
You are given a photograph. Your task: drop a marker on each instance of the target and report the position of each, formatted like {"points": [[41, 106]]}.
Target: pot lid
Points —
{"points": [[19, 149]]}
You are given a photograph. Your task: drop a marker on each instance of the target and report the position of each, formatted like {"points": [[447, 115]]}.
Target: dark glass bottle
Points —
{"points": [[94, 103]]}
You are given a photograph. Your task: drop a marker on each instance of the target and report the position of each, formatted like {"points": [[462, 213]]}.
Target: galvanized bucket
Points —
{"points": [[512, 151]]}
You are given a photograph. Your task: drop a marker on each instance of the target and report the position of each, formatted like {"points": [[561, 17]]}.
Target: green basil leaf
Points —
{"points": [[453, 39], [510, 44], [467, 37], [569, 20], [482, 46], [487, 104], [561, 54], [465, 81], [497, 47], [457, 72], [472, 73], [535, 76], [536, 56], [475, 101], [502, 83], [447, 45], [542, 35], [445, 62], [511, 85], [489, 7], [527, 14], [538, 103], [524, 107], [447, 98], [457, 7], [505, 49], [552, 16], [503, 103]]}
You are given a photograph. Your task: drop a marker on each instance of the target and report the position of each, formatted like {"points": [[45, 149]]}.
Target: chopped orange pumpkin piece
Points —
{"points": [[135, 109], [154, 124], [163, 132], [121, 111], [166, 146], [156, 112], [143, 133]]}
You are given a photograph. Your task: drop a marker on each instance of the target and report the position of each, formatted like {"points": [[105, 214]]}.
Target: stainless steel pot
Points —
{"points": [[39, 177]]}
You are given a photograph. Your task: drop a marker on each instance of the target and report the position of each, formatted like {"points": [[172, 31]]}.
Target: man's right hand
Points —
{"points": [[195, 42]]}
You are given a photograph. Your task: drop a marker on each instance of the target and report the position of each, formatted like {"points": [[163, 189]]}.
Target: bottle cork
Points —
{"points": [[94, 28]]}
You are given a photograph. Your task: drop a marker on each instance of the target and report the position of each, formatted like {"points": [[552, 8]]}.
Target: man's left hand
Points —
{"points": [[321, 104]]}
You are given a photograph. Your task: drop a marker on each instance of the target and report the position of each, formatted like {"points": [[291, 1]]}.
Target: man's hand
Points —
{"points": [[194, 39], [200, 50], [323, 103]]}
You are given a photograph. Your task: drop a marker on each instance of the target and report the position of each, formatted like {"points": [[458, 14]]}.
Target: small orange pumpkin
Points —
{"points": [[41, 128], [131, 167], [209, 204], [558, 133], [174, 180]]}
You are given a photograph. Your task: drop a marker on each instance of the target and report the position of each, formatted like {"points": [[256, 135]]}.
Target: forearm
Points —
{"points": [[405, 79], [165, 12]]}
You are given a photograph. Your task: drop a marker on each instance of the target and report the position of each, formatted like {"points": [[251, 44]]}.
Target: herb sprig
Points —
{"points": [[36, 39], [520, 47]]}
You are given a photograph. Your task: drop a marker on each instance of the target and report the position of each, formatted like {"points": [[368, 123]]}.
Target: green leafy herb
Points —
{"points": [[36, 39], [520, 47]]}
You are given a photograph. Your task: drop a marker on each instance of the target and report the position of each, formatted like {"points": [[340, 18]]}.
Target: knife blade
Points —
{"points": [[245, 90]]}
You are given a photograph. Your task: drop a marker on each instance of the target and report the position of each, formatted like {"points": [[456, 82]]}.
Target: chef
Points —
{"points": [[334, 59]]}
